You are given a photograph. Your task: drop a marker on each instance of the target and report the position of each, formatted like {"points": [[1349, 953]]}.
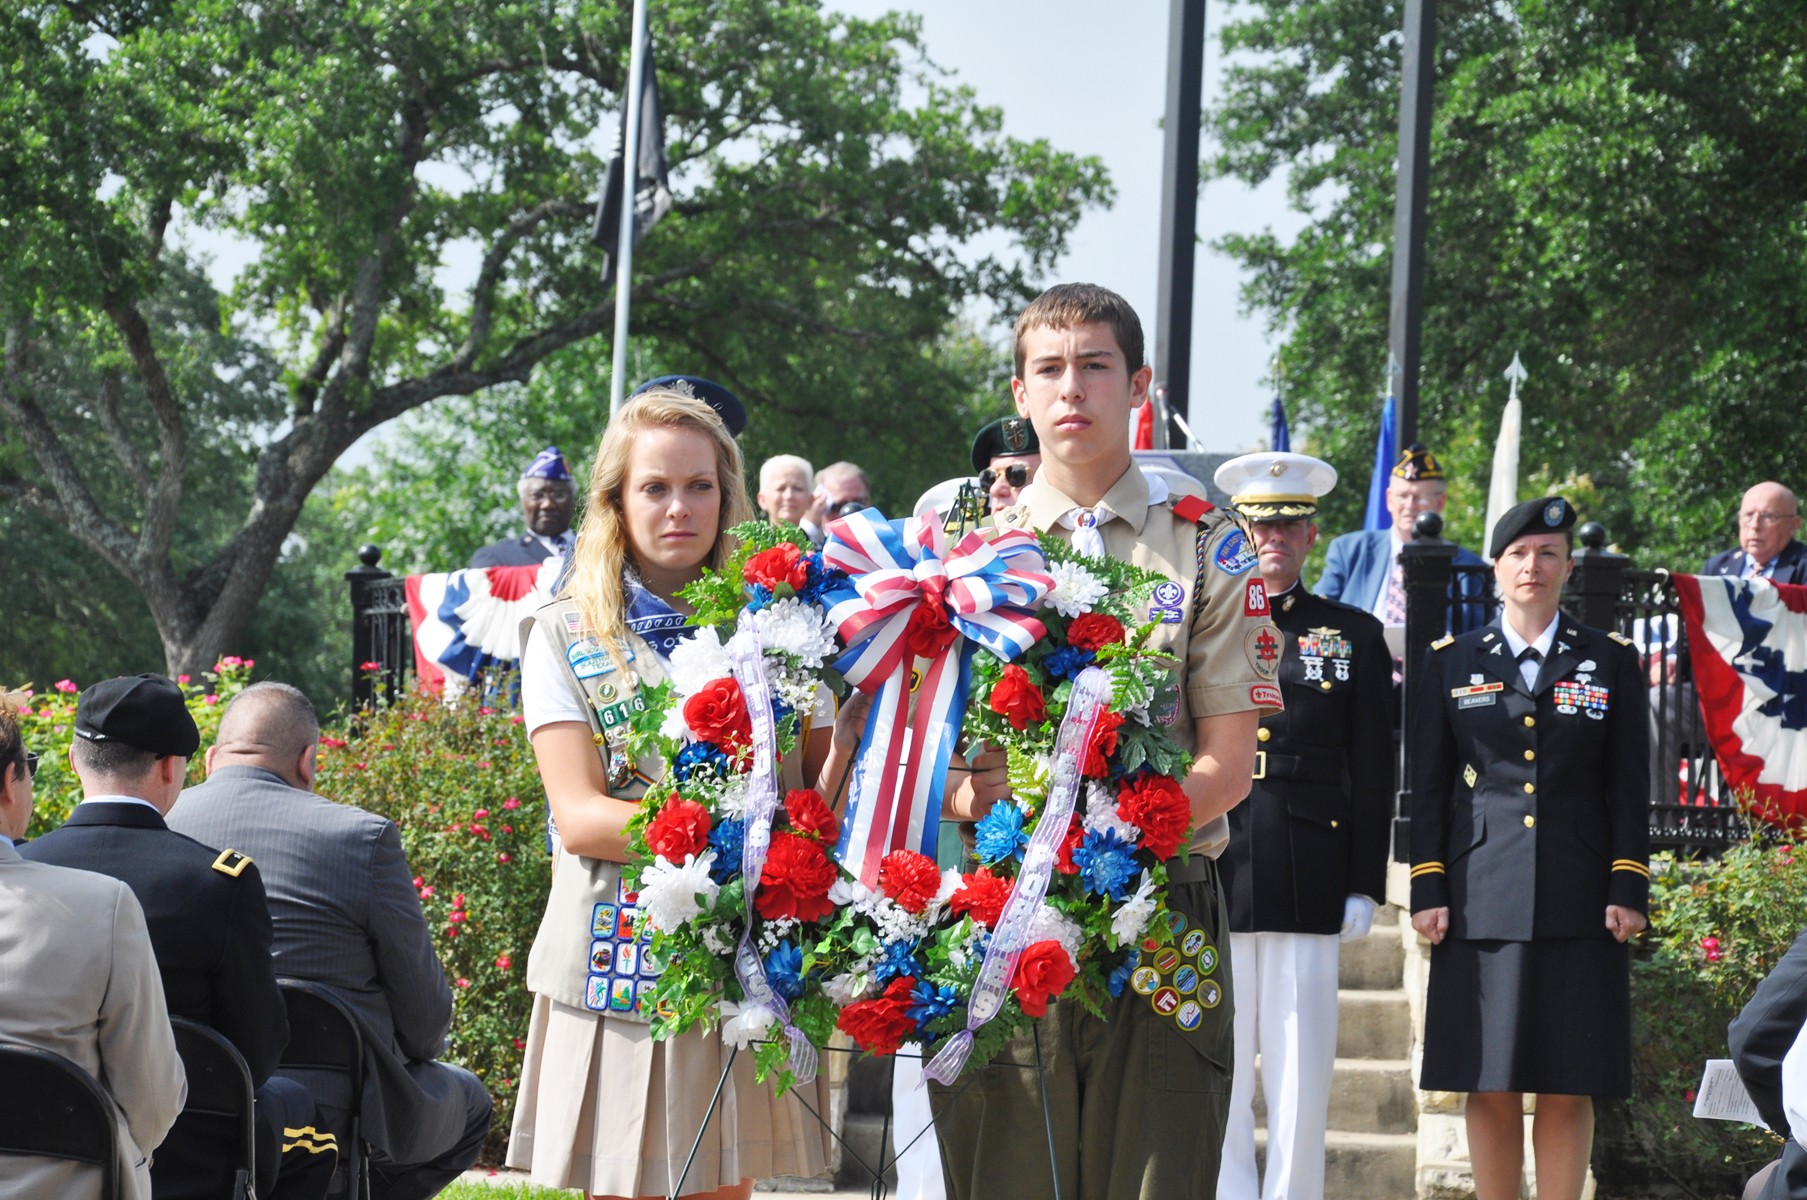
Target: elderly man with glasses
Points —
{"points": [[1767, 521]]}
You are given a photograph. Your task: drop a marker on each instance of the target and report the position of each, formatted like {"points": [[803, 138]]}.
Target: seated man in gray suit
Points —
{"points": [[346, 916]]}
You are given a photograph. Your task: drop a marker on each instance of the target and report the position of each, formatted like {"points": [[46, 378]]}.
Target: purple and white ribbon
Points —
{"points": [[1091, 693], [748, 663]]}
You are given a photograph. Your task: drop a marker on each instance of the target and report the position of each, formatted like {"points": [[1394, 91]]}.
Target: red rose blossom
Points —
{"points": [[718, 713], [929, 631], [1042, 973], [795, 880], [983, 897], [1017, 699], [1158, 807], [909, 878], [680, 829], [810, 815], [1102, 745], [781, 566], [1063, 860], [879, 1025], [1089, 631]]}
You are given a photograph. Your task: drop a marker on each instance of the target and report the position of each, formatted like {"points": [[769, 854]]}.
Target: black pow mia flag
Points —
{"points": [[652, 189]]}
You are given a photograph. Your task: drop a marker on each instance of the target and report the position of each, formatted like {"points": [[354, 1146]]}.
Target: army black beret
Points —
{"points": [[145, 711], [1551, 514], [1006, 437]]}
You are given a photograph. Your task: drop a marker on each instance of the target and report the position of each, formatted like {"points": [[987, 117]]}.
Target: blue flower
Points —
{"points": [[726, 839], [704, 758], [780, 709], [930, 1003], [1067, 662], [758, 596], [898, 959], [999, 834], [1120, 976], [821, 579], [784, 970], [1107, 863]]}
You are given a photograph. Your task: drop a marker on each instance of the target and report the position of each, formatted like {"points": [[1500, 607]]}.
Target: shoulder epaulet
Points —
{"points": [[1448, 639], [231, 862], [1192, 508], [1620, 638]]}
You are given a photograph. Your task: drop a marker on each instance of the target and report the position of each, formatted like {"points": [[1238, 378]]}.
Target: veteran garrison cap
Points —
{"points": [[144, 711], [1551, 514], [1417, 463], [548, 464], [1006, 437], [1275, 485], [726, 404]]}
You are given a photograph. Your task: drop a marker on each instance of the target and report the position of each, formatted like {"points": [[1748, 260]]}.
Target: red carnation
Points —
{"points": [[718, 713], [1089, 631], [1158, 807], [1063, 862], [909, 878], [680, 830], [929, 631], [782, 565], [810, 815], [1102, 745], [1042, 973], [1017, 699], [879, 1025], [983, 896], [795, 880]]}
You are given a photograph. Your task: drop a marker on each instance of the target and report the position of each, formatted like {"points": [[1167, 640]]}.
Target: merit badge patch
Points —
{"points": [[1189, 1016], [596, 993], [1572, 696], [602, 921], [1169, 975], [1234, 555], [1255, 603], [1320, 648], [1262, 645]]}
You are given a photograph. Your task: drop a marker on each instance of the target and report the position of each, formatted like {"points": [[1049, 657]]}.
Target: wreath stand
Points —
{"points": [[886, 1161]]}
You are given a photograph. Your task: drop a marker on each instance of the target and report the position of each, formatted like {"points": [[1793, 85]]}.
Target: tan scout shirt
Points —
{"points": [[1219, 638]]}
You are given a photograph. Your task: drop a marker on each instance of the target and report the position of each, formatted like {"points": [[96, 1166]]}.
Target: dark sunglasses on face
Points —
{"points": [[1016, 475], [847, 506], [31, 764]]}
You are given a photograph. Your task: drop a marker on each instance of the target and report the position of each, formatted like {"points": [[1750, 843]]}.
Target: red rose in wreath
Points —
{"points": [[680, 830], [781, 566], [1042, 973], [1158, 807], [982, 897], [1102, 746], [879, 1025], [1063, 861], [929, 631], [718, 713], [810, 815], [909, 878], [1015, 698], [795, 880], [1090, 631]]}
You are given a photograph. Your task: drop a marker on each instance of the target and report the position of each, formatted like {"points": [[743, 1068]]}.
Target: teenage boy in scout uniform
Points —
{"points": [[1308, 852], [1136, 1101]]}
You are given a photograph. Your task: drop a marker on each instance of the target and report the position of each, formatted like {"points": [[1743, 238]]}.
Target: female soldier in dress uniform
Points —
{"points": [[1530, 848]]}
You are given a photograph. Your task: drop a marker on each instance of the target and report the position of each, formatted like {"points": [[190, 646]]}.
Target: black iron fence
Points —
{"points": [[1692, 809], [382, 641]]}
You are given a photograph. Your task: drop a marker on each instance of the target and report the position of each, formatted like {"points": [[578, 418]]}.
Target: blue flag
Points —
{"points": [[1386, 453], [1279, 438]]}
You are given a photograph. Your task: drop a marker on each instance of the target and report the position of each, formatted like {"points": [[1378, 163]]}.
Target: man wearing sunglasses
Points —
{"points": [[1006, 456], [841, 489]]}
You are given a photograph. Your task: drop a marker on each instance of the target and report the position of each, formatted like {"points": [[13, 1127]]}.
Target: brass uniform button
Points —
{"points": [[1263, 734], [1333, 824], [1530, 756], [1530, 722], [1529, 820], [1325, 685], [1530, 789]]}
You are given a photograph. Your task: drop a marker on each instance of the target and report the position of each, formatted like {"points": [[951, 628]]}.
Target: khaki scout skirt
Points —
{"points": [[606, 1109]]}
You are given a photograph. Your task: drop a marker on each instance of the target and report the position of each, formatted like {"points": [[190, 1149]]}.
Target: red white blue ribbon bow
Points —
{"points": [[912, 615]]}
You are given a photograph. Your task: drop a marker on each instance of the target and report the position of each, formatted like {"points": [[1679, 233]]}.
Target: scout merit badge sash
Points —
{"points": [[1176, 979]]}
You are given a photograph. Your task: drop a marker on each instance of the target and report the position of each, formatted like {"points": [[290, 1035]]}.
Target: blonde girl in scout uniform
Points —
{"points": [[603, 1107], [1530, 861], [1137, 1101]]}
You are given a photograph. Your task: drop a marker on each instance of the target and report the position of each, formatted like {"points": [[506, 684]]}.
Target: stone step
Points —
{"points": [[1362, 1166], [1373, 1024], [1376, 962], [1367, 1095]]}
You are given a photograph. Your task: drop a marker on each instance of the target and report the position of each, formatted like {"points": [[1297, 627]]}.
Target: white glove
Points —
{"points": [[1358, 917]]}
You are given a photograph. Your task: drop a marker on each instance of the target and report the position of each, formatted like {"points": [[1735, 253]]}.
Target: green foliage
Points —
{"points": [[1614, 192], [1717, 928]]}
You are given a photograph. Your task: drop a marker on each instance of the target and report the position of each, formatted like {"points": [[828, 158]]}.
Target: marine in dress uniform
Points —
{"points": [[1530, 848], [210, 930], [1306, 863]]}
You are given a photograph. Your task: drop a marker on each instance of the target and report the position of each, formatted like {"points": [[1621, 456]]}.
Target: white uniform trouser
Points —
{"points": [[919, 1165], [1285, 991]]}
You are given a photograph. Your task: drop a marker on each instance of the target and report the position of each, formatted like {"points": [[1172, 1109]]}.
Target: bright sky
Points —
{"points": [[1092, 79]]}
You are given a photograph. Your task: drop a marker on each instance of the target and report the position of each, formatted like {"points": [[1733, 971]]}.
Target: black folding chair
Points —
{"points": [[219, 1085], [324, 1036], [51, 1108]]}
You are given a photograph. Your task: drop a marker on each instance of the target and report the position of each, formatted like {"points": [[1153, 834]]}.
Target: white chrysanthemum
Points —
{"points": [[1101, 813], [1075, 589], [671, 895], [1131, 919], [1049, 925], [849, 986], [795, 629], [673, 725], [699, 660], [747, 1025], [849, 893], [951, 882]]}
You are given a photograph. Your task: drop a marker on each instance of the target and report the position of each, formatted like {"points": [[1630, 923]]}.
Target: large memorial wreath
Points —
{"points": [[783, 920]]}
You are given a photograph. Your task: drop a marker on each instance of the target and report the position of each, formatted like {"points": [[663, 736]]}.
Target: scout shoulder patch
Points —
{"points": [[1446, 640], [231, 862], [1234, 555], [1263, 648]]}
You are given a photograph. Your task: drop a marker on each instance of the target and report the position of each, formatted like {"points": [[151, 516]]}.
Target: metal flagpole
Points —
{"points": [[630, 181]]}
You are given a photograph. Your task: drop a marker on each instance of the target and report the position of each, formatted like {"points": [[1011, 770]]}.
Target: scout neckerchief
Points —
{"points": [[652, 619]]}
